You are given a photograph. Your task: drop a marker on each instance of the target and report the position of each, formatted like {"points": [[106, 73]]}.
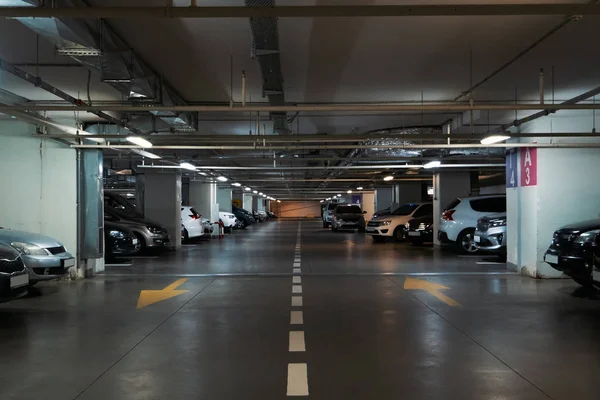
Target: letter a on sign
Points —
{"points": [[528, 166]]}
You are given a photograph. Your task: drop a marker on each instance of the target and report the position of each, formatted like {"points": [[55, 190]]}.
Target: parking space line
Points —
{"points": [[296, 318], [297, 289], [297, 271], [296, 279], [296, 264], [490, 263], [296, 301], [297, 384], [118, 265], [297, 341]]}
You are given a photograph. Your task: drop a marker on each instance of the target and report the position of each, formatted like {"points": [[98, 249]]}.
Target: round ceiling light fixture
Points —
{"points": [[236, 184], [359, 188], [222, 179], [388, 178], [349, 191]]}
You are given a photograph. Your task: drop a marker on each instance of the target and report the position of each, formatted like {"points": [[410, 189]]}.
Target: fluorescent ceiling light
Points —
{"points": [[327, 199], [254, 191], [322, 201], [359, 188], [432, 164], [236, 184], [221, 179], [494, 139], [264, 195], [349, 191], [247, 189], [146, 154], [187, 165], [279, 201], [139, 141], [339, 195], [202, 173], [260, 194], [388, 178]]}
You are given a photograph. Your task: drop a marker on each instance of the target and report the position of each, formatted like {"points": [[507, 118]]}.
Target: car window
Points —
{"points": [[424, 210], [453, 205], [348, 210], [490, 204], [405, 209], [332, 206], [194, 212]]}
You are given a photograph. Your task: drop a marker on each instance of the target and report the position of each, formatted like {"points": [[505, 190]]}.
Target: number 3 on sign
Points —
{"points": [[529, 166]]}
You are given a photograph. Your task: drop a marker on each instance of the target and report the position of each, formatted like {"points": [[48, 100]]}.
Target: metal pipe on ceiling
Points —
{"points": [[405, 10], [333, 167], [446, 107], [349, 147]]}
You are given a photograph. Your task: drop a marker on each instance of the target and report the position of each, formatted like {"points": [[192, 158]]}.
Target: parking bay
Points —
{"points": [[374, 325]]}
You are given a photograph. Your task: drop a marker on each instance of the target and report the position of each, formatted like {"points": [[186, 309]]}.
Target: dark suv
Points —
{"points": [[575, 250], [348, 217], [14, 278]]}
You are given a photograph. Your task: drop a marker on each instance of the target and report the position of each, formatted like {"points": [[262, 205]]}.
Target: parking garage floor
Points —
{"points": [[290, 309]]}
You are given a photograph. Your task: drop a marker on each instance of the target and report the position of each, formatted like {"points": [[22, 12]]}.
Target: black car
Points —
{"points": [[420, 230], [244, 216], [14, 278], [119, 240], [575, 250], [348, 217]]}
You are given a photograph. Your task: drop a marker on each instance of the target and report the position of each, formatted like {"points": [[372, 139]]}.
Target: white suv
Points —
{"points": [[459, 220], [394, 224]]}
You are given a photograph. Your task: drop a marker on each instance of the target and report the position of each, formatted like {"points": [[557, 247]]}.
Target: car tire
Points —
{"points": [[142, 242], [399, 234], [465, 243], [378, 239], [186, 235]]}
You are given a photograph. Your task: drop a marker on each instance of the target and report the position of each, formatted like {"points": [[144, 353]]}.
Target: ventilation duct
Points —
{"points": [[94, 45]]}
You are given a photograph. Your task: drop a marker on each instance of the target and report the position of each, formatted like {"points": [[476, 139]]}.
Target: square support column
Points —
{"points": [[203, 197], [446, 187], [162, 202], [224, 198]]}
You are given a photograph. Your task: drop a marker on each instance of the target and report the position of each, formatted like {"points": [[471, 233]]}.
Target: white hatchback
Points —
{"points": [[459, 220], [228, 219], [192, 223]]}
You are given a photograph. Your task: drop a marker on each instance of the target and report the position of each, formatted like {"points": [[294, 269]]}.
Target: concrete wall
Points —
{"points": [[408, 192], [38, 184], [368, 204], [247, 202], [497, 189], [300, 209], [383, 198]]}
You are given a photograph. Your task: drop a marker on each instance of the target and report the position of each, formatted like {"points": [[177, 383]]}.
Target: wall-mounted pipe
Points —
{"points": [[243, 88], [542, 86]]}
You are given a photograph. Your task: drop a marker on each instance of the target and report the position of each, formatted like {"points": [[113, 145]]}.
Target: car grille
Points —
{"points": [[374, 223], [56, 250], [422, 226], [10, 266], [483, 225]]}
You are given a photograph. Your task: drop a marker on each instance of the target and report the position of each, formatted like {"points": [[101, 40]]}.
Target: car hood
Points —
{"points": [[582, 226], [8, 235], [115, 226], [392, 218]]}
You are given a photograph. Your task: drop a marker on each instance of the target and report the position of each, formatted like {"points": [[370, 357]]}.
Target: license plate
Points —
{"points": [[69, 262], [414, 233], [370, 230], [19, 281], [135, 241], [551, 258], [477, 239]]}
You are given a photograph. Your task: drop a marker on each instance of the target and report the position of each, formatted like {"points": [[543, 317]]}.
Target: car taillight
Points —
{"points": [[447, 215], [192, 216]]}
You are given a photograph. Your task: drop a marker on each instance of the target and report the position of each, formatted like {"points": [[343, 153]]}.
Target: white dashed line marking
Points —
{"points": [[296, 279], [297, 384], [297, 289], [297, 341], [297, 271], [296, 264], [489, 263], [296, 318], [296, 301]]}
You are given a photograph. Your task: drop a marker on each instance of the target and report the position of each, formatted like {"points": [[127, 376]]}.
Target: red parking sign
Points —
{"points": [[528, 166]]}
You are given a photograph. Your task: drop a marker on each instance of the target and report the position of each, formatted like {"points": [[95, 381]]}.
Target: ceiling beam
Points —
{"points": [[406, 10]]}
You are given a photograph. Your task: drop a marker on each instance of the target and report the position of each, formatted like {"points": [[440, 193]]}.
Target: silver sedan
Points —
{"points": [[44, 257]]}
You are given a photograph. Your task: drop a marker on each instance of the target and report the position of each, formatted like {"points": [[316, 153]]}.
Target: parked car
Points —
{"points": [[385, 211], [228, 219], [490, 234], [244, 216], [575, 250], [44, 257], [272, 215], [459, 220], [420, 230], [150, 235], [348, 217], [119, 241], [14, 278], [328, 211], [394, 225], [192, 223]]}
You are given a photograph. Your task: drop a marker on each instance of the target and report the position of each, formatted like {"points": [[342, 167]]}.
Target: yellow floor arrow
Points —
{"points": [[431, 288], [148, 297]]}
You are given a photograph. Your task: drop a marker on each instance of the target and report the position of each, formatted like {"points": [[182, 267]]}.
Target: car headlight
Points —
{"points": [[497, 222], [586, 237], [386, 222], [154, 229], [29, 249], [117, 234]]}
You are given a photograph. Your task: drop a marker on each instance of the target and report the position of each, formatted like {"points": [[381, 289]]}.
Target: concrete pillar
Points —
{"points": [[368, 204], [247, 204], [408, 192], [383, 198], [237, 198], [224, 198], [546, 189], [255, 202], [203, 197], [446, 187], [162, 202]]}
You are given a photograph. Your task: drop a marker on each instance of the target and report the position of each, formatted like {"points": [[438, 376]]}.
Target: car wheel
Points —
{"points": [[186, 235], [142, 242], [466, 242], [399, 234]]}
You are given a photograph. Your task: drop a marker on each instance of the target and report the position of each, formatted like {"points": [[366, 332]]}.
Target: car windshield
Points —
{"points": [[332, 206], [348, 210], [406, 209]]}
